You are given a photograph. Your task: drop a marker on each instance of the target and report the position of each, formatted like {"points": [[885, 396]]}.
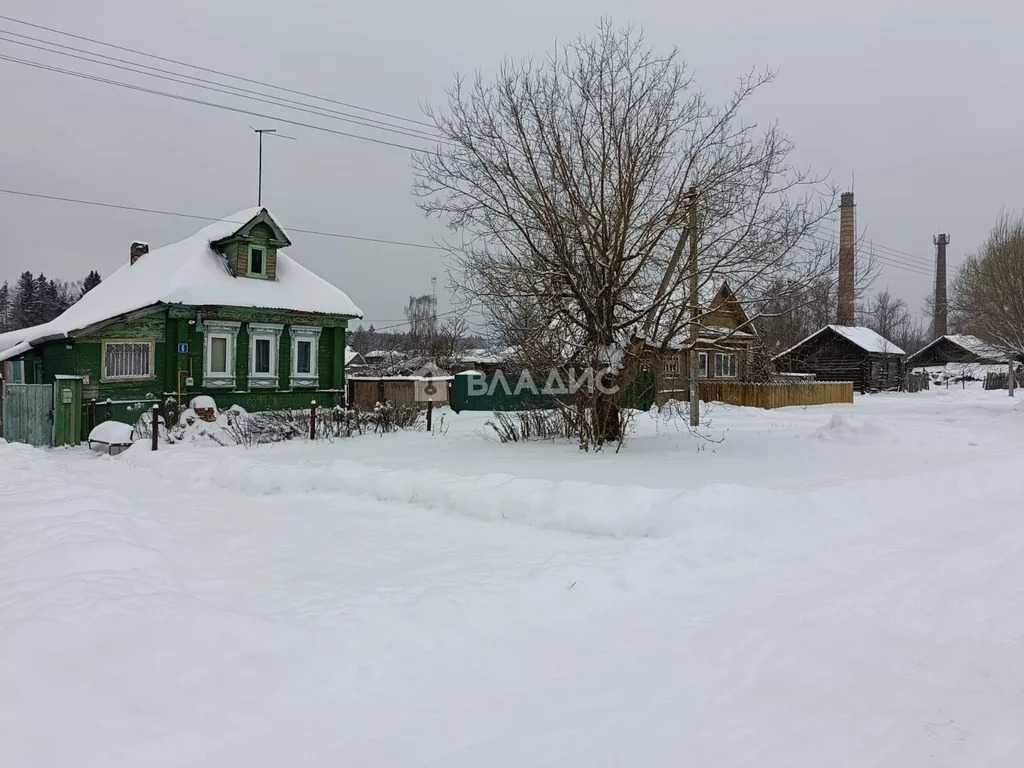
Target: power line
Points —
{"points": [[915, 260], [885, 259], [889, 256], [212, 71], [95, 203], [906, 263], [927, 261], [215, 105], [242, 93]]}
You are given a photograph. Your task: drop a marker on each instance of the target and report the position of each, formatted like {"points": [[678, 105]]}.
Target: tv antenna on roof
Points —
{"points": [[270, 132]]}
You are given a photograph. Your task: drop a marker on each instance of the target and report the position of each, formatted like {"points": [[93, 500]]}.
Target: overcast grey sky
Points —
{"points": [[921, 101]]}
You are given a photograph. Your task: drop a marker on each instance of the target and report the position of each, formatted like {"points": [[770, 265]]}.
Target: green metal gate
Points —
{"points": [[28, 413]]}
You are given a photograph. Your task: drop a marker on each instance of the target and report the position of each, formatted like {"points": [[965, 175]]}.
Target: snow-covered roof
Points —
{"points": [[384, 354], [350, 355], [487, 356], [190, 272], [968, 343], [865, 338]]}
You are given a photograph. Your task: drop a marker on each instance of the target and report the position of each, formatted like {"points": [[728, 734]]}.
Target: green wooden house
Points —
{"points": [[224, 313]]}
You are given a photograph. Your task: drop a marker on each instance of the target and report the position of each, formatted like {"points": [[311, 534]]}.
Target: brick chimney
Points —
{"points": [[139, 250], [847, 234], [939, 325]]}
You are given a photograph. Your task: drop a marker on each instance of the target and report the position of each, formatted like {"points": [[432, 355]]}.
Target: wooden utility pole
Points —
{"points": [[694, 286], [668, 277], [1010, 382]]}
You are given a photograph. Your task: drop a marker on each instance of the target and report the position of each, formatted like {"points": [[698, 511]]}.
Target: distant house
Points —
{"points": [[846, 353], [957, 348], [384, 357], [224, 313], [353, 360], [724, 345], [484, 360]]}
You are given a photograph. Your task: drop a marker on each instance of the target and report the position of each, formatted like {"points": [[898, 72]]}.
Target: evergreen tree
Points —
{"points": [[66, 294], [46, 307], [91, 281], [5, 307], [23, 305]]}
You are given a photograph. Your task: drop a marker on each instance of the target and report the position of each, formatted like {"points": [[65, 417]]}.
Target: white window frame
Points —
{"points": [[702, 365], [151, 343], [724, 371], [220, 329], [300, 333], [272, 333]]}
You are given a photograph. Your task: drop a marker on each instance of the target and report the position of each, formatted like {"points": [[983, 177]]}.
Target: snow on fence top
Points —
{"points": [[865, 338], [189, 272]]}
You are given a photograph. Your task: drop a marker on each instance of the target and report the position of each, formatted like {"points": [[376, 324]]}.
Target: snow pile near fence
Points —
{"points": [[622, 511]]}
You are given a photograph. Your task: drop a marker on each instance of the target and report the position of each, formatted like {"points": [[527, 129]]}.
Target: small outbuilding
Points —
{"points": [[956, 348], [846, 353]]}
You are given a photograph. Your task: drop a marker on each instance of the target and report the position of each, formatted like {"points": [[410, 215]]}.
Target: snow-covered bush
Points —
{"points": [[538, 424], [390, 417]]}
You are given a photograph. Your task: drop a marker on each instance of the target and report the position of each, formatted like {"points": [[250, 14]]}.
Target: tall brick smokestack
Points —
{"points": [[939, 324], [847, 234]]}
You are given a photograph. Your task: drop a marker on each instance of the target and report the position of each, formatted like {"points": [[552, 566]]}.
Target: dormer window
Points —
{"points": [[257, 261], [251, 250]]}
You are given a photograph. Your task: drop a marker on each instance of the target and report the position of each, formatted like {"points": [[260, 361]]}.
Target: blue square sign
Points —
{"points": [[182, 349]]}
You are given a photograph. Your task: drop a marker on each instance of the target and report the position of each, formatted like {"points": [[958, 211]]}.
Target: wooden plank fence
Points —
{"points": [[774, 395], [365, 392], [916, 382]]}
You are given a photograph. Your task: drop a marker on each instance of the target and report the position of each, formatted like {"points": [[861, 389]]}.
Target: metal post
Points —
{"points": [[312, 419], [1011, 382], [430, 415], [156, 425], [259, 193]]}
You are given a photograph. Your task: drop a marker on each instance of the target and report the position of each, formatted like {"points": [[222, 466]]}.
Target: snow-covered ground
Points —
{"points": [[831, 586]]}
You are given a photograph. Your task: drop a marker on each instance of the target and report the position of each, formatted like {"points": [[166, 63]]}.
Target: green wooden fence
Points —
{"points": [[28, 413]]}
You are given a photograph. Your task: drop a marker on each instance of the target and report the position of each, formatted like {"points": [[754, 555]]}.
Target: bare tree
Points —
{"points": [[889, 317], [569, 180], [988, 292], [421, 314], [449, 341]]}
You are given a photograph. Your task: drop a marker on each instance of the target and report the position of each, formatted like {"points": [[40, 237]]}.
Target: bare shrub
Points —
{"points": [[390, 417], [523, 426]]}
